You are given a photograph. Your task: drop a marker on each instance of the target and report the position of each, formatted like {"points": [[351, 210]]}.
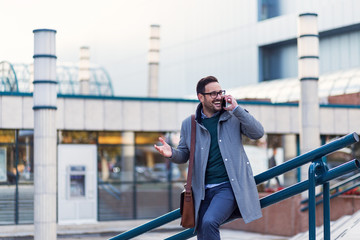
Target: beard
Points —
{"points": [[213, 106]]}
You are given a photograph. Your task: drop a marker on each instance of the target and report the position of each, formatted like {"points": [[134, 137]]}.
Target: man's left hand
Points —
{"points": [[231, 102]]}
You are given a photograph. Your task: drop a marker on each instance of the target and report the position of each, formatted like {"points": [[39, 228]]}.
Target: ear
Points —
{"points": [[200, 97]]}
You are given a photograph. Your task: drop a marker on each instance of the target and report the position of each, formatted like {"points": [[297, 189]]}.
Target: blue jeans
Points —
{"points": [[217, 207]]}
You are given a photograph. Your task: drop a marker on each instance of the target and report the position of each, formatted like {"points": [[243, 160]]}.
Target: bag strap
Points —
{"points": [[192, 154]]}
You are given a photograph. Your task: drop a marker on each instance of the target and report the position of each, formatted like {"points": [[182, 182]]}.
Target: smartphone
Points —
{"points": [[225, 103]]}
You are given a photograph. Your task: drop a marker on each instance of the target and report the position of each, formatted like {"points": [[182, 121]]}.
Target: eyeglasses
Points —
{"points": [[215, 94]]}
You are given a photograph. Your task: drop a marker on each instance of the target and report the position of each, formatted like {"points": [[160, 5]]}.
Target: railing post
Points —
{"points": [[326, 206], [312, 200]]}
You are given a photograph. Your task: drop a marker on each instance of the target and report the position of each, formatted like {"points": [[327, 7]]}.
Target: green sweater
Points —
{"points": [[215, 168]]}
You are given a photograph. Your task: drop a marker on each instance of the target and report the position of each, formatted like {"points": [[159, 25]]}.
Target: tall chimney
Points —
{"points": [[153, 59], [84, 70], [44, 134], [308, 74]]}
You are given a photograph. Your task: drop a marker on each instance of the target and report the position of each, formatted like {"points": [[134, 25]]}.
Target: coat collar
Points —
{"points": [[224, 115]]}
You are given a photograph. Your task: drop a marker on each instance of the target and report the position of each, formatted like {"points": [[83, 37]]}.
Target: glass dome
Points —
{"points": [[288, 90], [17, 77]]}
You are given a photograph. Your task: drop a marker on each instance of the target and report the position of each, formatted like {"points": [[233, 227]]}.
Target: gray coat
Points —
{"points": [[231, 126]]}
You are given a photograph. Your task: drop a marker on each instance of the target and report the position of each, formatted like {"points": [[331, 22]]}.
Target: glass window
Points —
{"points": [[7, 136], [116, 175], [112, 164], [16, 161], [111, 138], [150, 165], [26, 203], [25, 153], [9, 152], [3, 164], [275, 57], [152, 199], [116, 201], [77, 137], [147, 137], [268, 9], [269, 151]]}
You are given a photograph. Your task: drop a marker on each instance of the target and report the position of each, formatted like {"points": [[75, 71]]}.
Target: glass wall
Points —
{"points": [[280, 61], [158, 181], [16, 177], [134, 180], [268, 9], [269, 151]]}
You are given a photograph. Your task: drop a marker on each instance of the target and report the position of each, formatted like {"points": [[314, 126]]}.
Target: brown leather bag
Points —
{"points": [[187, 210]]}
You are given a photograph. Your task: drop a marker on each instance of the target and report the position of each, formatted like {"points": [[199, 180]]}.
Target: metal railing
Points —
{"points": [[336, 187], [318, 174]]}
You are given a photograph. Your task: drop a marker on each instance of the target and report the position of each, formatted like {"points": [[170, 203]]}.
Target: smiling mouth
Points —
{"points": [[217, 103]]}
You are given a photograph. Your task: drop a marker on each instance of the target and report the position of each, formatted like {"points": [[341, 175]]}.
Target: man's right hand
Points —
{"points": [[165, 149]]}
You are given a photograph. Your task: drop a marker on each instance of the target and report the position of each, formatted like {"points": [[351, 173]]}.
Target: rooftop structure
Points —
{"points": [[17, 77], [288, 90]]}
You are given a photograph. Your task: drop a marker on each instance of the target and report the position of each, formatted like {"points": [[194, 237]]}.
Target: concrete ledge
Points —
{"points": [[87, 228]]}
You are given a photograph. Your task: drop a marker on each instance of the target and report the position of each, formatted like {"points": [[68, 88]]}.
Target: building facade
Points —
{"points": [[106, 160], [107, 166]]}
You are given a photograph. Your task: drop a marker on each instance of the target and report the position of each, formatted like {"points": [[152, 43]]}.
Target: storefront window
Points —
{"points": [[25, 155], [7, 136], [110, 166], [150, 165], [269, 151], [142, 138], [7, 157], [3, 165], [111, 138], [116, 155], [77, 137]]}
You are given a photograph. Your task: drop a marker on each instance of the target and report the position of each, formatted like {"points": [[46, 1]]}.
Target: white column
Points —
{"points": [[153, 60], [44, 134], [308, 73], [84, 70], [128, 156]]}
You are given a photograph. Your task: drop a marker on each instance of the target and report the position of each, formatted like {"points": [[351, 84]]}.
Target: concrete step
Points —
{"points": [[345, 227]]}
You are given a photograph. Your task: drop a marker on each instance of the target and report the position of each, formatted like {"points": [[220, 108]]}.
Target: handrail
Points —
{"points": [[333, 196], [307, 157], [157, 222], [338, 193], [335, 186], [262, 177]]}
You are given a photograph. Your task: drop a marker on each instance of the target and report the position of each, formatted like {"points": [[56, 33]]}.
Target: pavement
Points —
{"points": [[108, 229]]}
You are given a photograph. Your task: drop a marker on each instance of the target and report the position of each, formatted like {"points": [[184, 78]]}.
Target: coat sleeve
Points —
{"points": [[249, 126], [182, 152]]}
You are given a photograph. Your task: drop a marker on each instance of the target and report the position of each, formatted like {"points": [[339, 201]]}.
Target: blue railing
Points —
{"points": [[318, 174], [337, 190]]}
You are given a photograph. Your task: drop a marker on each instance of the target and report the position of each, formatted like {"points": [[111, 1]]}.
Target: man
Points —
{"points": [[222, 176], [271, 164]]}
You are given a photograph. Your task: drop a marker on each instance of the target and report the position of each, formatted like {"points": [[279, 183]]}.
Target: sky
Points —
{"points": [[117, 33]]}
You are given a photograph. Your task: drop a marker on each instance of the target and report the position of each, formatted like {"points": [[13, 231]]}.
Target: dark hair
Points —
{"points": [[200, 88]]}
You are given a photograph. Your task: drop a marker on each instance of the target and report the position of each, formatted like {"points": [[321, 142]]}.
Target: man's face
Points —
{"points": [[211, 105]]}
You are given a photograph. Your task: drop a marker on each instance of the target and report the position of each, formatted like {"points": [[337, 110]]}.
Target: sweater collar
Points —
{"points": [[224, 115]]}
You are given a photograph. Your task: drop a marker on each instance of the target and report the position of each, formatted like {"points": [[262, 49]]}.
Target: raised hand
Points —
{"points": [[165, 149], [231, 102]]}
